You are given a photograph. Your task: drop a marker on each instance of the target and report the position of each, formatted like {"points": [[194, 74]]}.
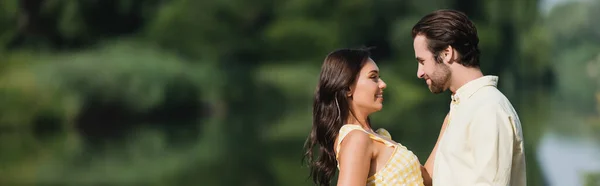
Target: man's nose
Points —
{"points": [[420, 72]]}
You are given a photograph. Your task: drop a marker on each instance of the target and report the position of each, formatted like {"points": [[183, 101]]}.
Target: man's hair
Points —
{"points": [[444, 28]]}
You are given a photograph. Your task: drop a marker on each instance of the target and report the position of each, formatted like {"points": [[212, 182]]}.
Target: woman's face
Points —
{"points": [[366, 94]]}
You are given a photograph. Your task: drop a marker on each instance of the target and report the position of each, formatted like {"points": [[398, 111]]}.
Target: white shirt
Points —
{"points": [[483, 141]]}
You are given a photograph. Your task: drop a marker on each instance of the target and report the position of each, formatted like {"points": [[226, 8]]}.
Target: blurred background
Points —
{"points": [[219, 92]]}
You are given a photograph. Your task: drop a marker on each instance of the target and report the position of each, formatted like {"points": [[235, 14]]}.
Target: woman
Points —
{"points": [[349, 90]]}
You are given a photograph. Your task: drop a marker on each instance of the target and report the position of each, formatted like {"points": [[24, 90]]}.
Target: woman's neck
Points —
{"points": [[362, 121]]}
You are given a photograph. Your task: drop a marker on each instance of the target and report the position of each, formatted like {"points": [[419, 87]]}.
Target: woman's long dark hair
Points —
{"points": [[331, 110]]}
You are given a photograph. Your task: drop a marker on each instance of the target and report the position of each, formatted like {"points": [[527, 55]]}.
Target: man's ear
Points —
{"points": [[448, 55]]}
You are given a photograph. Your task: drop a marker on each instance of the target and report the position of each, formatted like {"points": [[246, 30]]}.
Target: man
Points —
{"points": [[481, 141]]}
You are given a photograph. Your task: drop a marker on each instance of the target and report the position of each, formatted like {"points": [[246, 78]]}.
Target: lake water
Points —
{"points": [[565, 160]]}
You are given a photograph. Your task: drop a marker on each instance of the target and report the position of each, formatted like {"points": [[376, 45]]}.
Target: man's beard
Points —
{"points": [[439, 79]]}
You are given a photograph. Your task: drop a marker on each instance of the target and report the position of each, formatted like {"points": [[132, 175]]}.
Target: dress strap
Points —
{"points": [[346, 129]]}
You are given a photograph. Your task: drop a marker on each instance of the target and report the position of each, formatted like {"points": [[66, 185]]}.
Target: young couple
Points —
{"points": [[480, 142]]}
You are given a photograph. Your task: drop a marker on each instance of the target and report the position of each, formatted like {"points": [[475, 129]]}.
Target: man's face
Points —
{"points": [[436, 74]]}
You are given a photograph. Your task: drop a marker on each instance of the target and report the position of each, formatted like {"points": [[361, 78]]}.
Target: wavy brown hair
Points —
{"points": [[444, 28], [331, 110]]}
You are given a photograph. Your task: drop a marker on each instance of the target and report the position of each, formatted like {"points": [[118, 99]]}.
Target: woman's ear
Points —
{"points": [[349, 92]]}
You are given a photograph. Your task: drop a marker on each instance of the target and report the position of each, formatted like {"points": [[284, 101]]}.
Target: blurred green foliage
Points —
{"points": [[592, 179]]}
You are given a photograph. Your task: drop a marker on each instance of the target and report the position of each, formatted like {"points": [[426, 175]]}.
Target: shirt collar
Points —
{"points": [[468, 89]]}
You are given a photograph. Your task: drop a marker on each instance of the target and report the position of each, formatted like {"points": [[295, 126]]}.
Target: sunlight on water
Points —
{"points": [[565, 161]]}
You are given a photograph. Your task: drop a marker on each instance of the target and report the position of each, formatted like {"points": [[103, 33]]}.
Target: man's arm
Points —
{"points": [[490, 136], [428, 168]]}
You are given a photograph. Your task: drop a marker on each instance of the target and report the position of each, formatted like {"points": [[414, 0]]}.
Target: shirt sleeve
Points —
{"points": [[491, 140]]}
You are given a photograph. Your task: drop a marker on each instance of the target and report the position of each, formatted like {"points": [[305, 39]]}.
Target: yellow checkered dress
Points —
{"points": [[403, 167]]}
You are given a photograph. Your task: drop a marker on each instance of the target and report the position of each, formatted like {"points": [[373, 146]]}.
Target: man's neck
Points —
{"points": [[464, 76]]}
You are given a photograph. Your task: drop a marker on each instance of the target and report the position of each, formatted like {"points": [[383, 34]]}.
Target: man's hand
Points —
{"points": [[427, 181], [429, 163]]}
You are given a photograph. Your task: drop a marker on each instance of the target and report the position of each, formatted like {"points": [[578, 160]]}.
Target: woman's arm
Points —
{"points": [[356, 151]]}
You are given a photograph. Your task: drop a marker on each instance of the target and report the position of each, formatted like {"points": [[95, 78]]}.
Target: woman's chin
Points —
{"points": [[378, 107]]}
